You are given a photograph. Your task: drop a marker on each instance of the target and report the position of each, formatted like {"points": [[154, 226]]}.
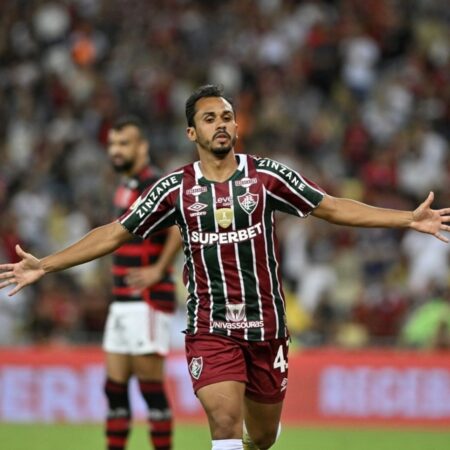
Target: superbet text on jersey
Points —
{"points": [[231, 252]]}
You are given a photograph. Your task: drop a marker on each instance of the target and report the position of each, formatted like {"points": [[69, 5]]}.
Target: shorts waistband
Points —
{"points": [[129, 306]]}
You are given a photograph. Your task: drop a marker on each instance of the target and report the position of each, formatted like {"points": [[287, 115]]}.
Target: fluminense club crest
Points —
{"points": [[248, 202], [196, 367]]}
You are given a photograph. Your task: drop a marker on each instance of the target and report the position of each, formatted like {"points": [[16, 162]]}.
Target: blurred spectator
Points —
{"points": [[360, 55], [441, 339], [31, 206], [423, 167], [354, 94], [55, 315], [12, 318], [428, 262], [381, 311], [428, 325]]}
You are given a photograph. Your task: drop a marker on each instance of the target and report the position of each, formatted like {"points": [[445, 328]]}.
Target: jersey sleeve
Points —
{"points": [[155, 207], [288, 191]]}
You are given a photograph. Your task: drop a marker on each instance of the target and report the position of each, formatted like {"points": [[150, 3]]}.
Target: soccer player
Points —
{"points": [[137, 332], [224, 205]]}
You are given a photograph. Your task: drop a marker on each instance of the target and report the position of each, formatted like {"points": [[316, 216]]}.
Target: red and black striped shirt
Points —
{"points": [[140, 252]]}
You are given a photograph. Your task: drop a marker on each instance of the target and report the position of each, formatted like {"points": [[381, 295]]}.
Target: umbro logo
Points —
{"points": [[197, 207]]}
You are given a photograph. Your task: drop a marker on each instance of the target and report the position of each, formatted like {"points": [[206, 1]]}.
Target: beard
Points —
{"points": [[122, 166], [223, 150]]}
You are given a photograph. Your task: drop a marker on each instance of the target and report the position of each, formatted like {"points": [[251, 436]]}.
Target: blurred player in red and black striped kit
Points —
{"points": [[137, 332]]}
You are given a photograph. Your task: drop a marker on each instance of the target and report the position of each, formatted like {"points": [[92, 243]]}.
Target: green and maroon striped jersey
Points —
{"points": [[232, 269]]}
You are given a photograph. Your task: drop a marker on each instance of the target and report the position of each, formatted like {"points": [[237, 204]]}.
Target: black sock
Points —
{"points": [[119, 415], [159, 416]]}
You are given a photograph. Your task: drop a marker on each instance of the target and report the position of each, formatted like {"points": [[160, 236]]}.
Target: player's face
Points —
{"points": [[123, 148], [215, 127]]}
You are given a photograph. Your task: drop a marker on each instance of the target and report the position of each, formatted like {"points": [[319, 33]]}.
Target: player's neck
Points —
{"points": [[218, 169], [137, 168]]}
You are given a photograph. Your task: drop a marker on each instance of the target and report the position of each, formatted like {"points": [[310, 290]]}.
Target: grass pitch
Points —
{"points": [[196, 437]]}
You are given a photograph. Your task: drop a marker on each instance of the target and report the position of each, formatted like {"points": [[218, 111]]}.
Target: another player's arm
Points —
{"points": [[98, 242], [344, 211], [147, 276]]}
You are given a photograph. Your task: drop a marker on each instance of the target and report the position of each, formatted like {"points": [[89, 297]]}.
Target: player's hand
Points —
{"points": [[23, 273], [431, 221], [144, 277]]}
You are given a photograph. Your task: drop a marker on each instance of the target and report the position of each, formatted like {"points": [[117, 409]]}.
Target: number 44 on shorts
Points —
{"points": [[280, 361]]}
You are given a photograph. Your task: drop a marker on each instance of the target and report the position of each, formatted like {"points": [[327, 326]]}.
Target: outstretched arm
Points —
{"points": [[143, 277], [98, 242], [344, 211]]}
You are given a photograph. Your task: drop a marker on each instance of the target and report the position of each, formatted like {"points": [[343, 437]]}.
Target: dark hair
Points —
{"points": [[129, 120], [208, 90]]}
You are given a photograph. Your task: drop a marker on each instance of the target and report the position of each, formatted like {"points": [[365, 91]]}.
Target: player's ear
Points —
{"points": [[191, 134]]}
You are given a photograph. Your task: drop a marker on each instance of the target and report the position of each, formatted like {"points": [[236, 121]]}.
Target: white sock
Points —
{"points": [[278, 432], [227, 444]]}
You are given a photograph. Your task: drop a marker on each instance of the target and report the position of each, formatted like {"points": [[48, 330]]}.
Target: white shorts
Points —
{"points": [[136, 328]]}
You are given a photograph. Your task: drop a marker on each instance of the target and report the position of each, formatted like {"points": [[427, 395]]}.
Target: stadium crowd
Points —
{"points": [[354, 94]]}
